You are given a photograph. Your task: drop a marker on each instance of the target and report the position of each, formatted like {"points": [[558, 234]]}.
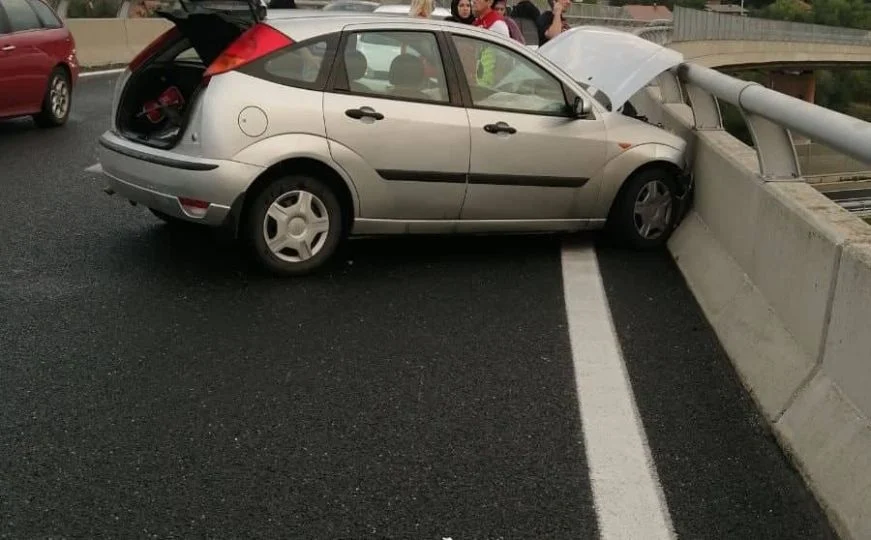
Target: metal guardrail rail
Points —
{"points": [[769, 115], [660, 34], [621, 23]]}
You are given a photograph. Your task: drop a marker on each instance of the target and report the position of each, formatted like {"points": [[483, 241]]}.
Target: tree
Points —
{"points": [[788, 10]]}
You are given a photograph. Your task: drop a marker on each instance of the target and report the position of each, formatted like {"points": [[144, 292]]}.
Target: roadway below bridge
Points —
{"points": [[153, 384]]}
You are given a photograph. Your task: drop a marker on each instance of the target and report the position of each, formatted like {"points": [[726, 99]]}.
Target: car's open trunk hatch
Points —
{"points": [[167, 77]]}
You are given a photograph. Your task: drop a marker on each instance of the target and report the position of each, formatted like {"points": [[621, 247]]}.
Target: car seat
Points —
{"points": [[355, 67], [407, 77]]}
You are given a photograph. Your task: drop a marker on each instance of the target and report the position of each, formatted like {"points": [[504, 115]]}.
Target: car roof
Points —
{"points": [[403, 9], [300, 24], [361, 2]]}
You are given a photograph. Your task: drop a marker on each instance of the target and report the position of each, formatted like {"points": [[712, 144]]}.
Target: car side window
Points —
{"points": [[46, 15], [21, 16], [300, 65], [405, 65], [501, 79]]}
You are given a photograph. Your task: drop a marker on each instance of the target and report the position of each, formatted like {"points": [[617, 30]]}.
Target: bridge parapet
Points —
{"points": [[782, 273]]}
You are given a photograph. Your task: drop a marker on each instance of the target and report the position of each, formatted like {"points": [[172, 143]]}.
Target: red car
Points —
{"points": [[38, 64]]}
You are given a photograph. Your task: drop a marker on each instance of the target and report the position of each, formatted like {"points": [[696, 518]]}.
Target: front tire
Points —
{"points": [[294, 225], [647, 209], [57, 101]]}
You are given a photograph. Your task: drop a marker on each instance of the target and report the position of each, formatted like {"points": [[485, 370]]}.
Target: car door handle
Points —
{"points": [[368, 112], [499, 127], [8, 48]]}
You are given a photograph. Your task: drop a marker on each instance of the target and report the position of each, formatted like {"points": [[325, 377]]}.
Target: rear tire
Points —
{"points": [[57, 102], [294, 225], [647, 209]]}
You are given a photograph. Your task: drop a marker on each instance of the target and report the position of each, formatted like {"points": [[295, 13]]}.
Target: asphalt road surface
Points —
{"points": [[154, 385]]}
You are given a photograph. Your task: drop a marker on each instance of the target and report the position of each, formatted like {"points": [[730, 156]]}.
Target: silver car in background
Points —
{"points": [[358, 6], [300, 130]]}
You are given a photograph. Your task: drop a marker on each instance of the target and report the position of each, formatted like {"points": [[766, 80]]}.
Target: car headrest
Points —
{"points": [[355, 64], [406, 70]]}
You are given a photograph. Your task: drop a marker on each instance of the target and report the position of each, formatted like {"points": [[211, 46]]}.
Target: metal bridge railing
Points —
{"points": [[695, 25], [661, 35], [770, 117], [611, 22]]}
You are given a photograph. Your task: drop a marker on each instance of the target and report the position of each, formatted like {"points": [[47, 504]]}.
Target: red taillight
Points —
{"points": [[257, 41], [194, 207], [153, 47], [193, 203]]}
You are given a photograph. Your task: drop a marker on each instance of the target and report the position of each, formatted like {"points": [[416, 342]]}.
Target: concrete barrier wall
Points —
{"points": [[719, 53], [104, 42], [784, 277]]}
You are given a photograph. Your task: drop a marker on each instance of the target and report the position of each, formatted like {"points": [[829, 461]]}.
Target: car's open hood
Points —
{"points": [[616, 62]]}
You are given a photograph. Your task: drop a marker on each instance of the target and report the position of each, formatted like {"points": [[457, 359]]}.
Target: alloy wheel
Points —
{"points": [[296, 226], [653, 210], [59, 97]]}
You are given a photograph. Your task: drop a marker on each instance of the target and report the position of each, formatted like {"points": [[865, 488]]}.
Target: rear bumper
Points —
{"points": [[160, 180]]}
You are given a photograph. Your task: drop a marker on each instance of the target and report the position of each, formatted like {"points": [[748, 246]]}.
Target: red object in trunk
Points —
{"points": [[171, 97]]}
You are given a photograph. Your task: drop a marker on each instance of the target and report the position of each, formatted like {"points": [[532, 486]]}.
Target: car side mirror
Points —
{"points": [[581, 108]]}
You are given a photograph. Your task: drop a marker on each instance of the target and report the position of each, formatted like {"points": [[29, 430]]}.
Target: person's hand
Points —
{"points": [[558, 7]]}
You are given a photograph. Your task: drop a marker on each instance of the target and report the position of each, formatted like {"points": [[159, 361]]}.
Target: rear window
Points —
{"points": [[299, 64], [21, 16], [304, 65]]}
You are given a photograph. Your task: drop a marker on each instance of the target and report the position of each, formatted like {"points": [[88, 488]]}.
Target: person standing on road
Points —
{"points": [[551, 23]]}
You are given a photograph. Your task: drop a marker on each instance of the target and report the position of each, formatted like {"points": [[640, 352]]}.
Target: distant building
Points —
{"points": [[731, 9]]}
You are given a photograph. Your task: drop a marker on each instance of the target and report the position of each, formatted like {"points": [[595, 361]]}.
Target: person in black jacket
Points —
{"points": [[552, 23], [461, 12], [526, 15]]}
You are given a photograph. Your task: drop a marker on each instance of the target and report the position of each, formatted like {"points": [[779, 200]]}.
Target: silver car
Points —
{"points": [[359, 6], [298, 131]]}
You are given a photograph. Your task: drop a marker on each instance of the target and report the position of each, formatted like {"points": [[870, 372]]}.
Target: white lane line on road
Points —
{"points": [[626, 489], [87, 74]]}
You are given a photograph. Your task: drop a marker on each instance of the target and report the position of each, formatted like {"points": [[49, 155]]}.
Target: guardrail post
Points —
{"points": [[670, 88], [775, 148], [706, 108]]}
